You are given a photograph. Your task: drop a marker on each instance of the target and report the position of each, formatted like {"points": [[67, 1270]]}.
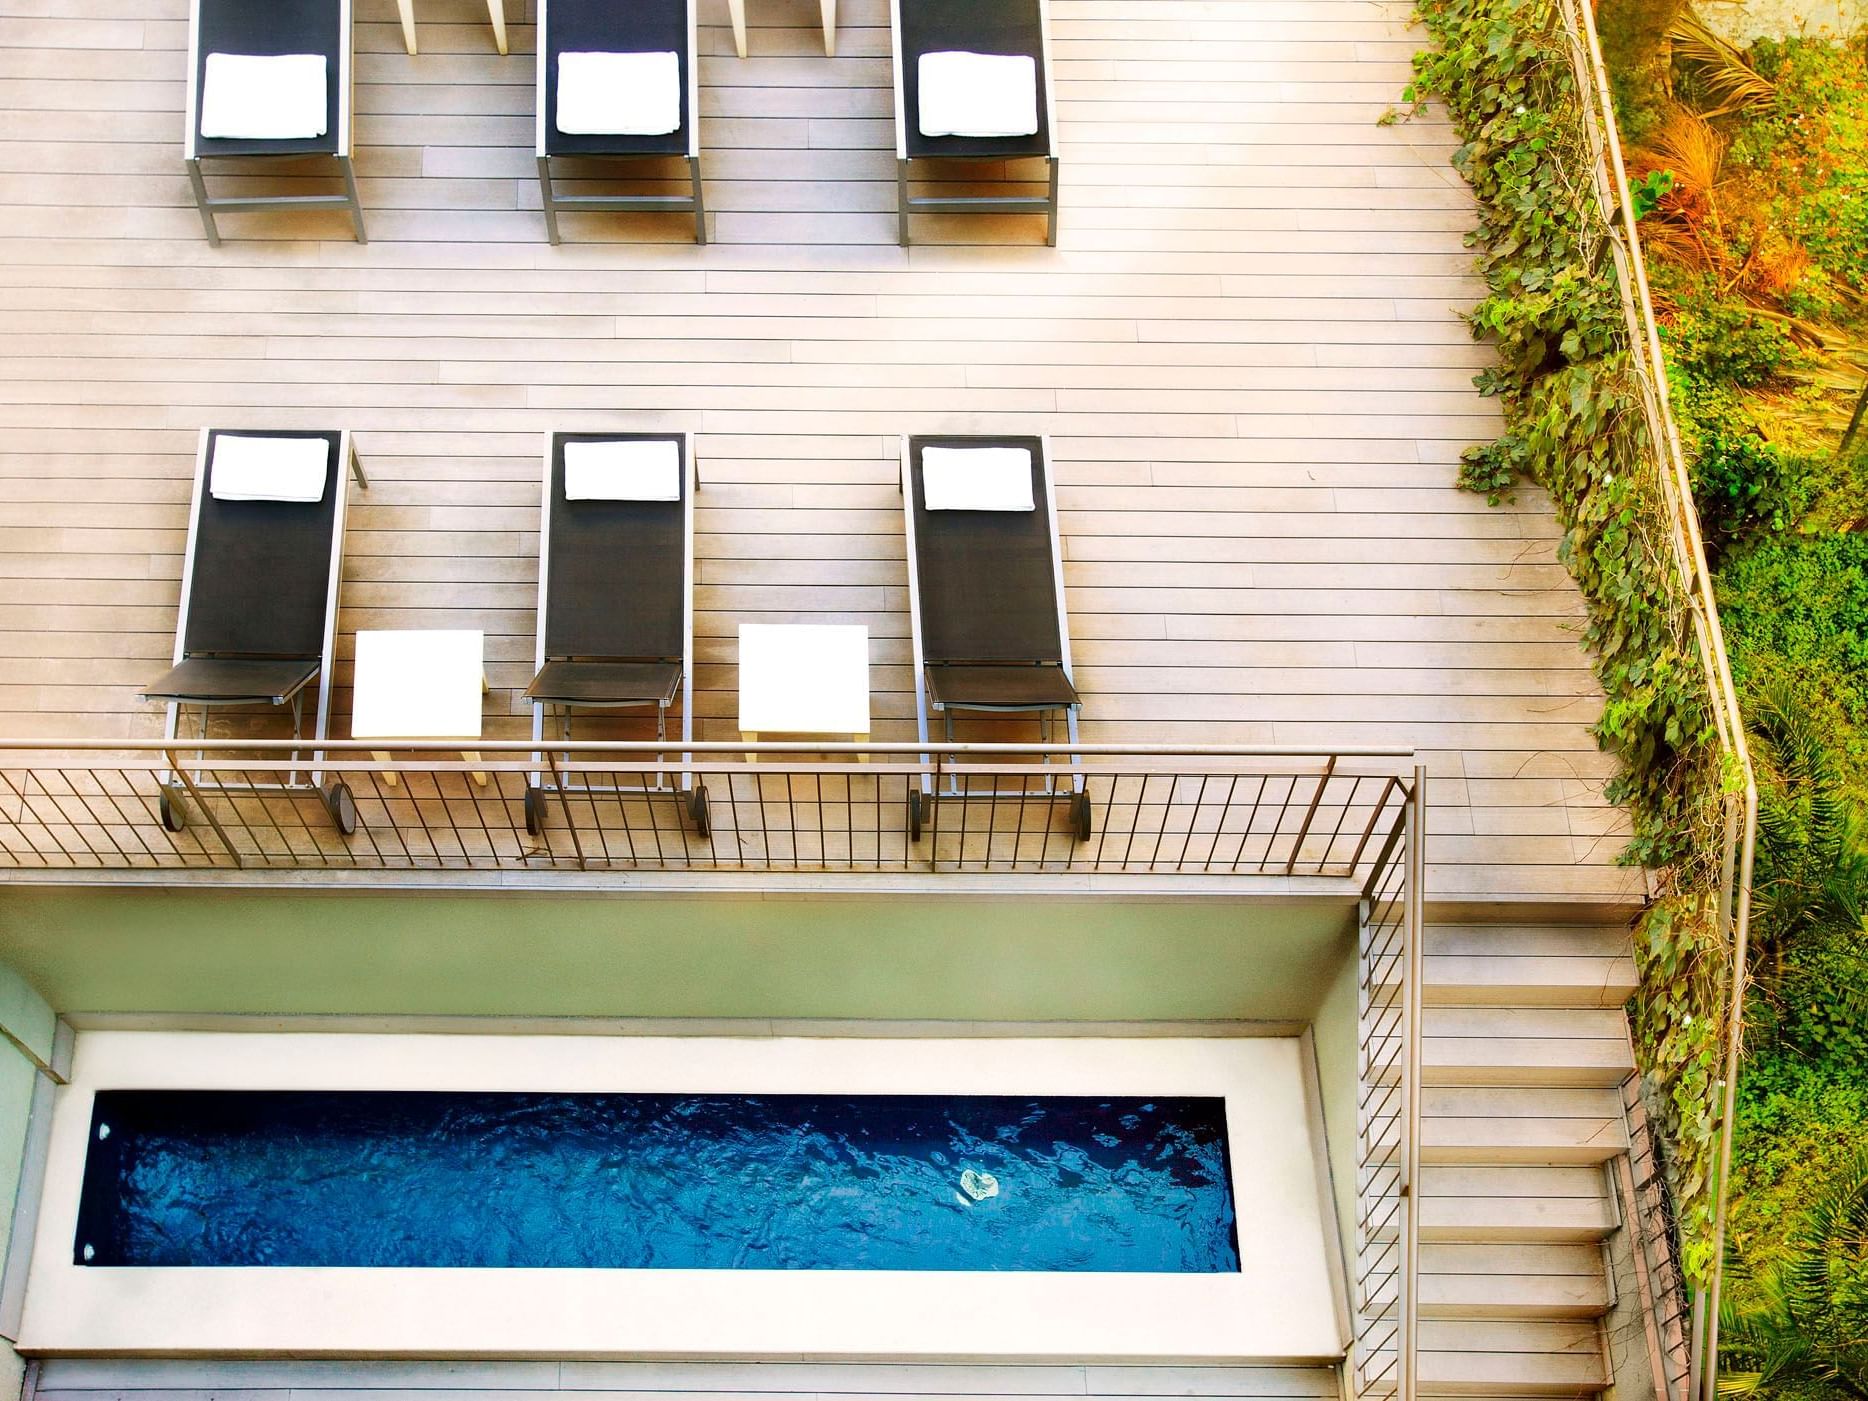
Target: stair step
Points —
{"points": [[1517, 1046], [1547, 1282], [1525, 1045], [1515, 1204], [1527, 965], [1510, 1358], [1503, 1205], [1488, 1374], [1515, 1124]]}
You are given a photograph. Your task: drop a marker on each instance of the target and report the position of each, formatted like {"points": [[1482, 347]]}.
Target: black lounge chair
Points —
{"points": [[615, 602], [1013, 28], [259, 598], [986, 601], [250, 114], [605, 30]]}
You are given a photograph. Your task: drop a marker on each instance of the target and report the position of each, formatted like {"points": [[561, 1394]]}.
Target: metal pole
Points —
{"points": [[1734, 1048], [1723, 694], [1410, 1221], [1855, 420]]}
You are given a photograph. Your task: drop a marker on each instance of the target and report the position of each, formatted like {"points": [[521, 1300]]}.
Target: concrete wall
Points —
{"points": [[17, 1076], [163, 957], [438, 954], [28, 1035], [1335, 1038]]}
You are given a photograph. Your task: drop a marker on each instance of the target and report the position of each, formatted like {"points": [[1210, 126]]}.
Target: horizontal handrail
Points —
{"points": [[664, 747], [538, 805], [1738, 840]]}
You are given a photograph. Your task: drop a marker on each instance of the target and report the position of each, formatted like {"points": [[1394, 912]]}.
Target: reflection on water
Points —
{"points": [[784, 1182]]}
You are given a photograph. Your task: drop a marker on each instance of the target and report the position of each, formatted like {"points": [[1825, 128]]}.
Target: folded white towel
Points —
{"points": [[601, 94], [632, 470], [966, 94], [263, 97], [268, 469], [976, 479]]}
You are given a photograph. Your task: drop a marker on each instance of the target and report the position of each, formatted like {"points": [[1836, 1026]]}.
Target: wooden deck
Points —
{"points": [[1246, 349]]}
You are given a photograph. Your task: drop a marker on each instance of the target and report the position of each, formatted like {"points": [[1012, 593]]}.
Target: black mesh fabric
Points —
{"points": [[971, 26], [271, 27], [1011, 687], [616, 588], [987, 583], [615, 26], [228, 680], [606, 683], [262, 571]]}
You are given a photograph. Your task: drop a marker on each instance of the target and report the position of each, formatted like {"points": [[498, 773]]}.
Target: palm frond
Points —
{"points": [[1833, 1237], [1813, 851], [1720, 67]]}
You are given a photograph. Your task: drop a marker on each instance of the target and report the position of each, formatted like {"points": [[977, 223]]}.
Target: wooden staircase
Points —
{"points": [[1525, 1049]]}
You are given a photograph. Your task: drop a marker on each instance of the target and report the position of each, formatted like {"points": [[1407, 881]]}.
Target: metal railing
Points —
{"points": [[260, 805], [1384, 1353], [1648, 1211], [1740, 795]]}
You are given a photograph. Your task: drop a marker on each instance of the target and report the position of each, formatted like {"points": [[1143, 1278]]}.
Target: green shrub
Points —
{"points": [[1727, 344], [1798, 1124], [1813, 144], [1797, 1316], [1742, 484], [1833, 224], [1797, 609]]}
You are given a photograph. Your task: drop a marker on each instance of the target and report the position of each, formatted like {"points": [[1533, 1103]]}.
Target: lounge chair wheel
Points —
{"points": [[169, 807], [698, 810], [918, 812], [534, 810], [342, 805], [1080, 819]]}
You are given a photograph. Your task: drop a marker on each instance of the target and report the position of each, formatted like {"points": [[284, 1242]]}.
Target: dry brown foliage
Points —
{"points": [[1714, 221], [1688, 225]]}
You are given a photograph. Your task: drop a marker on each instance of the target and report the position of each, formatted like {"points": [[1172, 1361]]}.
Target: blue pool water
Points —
{"points": [[626, 1181]]}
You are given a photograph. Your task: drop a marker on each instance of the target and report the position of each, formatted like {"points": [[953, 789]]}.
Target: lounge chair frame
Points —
{"points": [[906, 204], [694, 202], [194, 155], [348, 468], [539, 784], [923, 702]]}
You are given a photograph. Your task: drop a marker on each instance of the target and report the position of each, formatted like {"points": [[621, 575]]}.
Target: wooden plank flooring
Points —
{"points": [[1246, 349]]}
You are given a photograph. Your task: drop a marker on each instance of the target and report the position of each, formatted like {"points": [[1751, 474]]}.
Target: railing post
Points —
{"points": [[564, 806], [931, 819], [1310, 814], [206, 811], [1742, 837], [1415, 903]]}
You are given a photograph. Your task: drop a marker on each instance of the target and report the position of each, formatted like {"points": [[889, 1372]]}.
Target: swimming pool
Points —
{"points": [[457, 1180], [1282, 1300]]}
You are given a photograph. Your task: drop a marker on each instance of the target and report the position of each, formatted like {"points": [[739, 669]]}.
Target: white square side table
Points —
{"points": [[495, 12], [419, 685], [736, 11], [803, 679]]}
